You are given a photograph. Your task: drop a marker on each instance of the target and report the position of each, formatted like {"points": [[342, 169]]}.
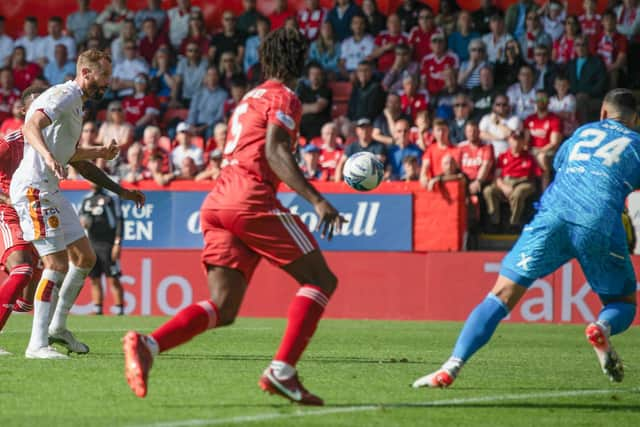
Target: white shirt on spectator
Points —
{"points": [[179, 24], [117, 50], [32, 47], [47, 48], [6, 48], [488, 124], [179, 153], [628, 21], [554, 27], [496, 48], [523, 104], [565, 105], [352, 51], [128, 69]]}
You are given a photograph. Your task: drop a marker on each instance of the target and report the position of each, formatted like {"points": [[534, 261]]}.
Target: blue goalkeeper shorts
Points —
{"points": [[548, 242]]}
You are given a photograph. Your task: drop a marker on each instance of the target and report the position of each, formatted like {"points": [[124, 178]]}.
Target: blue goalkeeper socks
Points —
{"points": [[618, 315], [479, 327]]}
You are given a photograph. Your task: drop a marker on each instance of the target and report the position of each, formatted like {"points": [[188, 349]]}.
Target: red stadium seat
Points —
{"points": [[341, 91], [101, 116], [176, 113], [198, 141], [339, 109]]}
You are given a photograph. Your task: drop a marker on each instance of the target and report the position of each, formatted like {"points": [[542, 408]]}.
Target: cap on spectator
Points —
{"points": [[311, 148], [363, 121], [182, 127], [216, 154], [437, 36]]}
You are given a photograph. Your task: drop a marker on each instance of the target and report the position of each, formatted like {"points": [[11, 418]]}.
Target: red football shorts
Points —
{"points": [[237, 240], [11, 233]]}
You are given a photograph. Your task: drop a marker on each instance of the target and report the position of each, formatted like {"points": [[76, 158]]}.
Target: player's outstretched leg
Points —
{"points": [[317, 285], [614, 318], [18, 278], [476, 332]]}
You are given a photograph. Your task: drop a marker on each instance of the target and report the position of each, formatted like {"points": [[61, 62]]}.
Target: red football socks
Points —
{"points": [[186, 324], [304, 314], [18, 278]]}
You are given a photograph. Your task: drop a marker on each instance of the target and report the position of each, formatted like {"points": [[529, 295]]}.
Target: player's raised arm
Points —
{"points": [[96, 175], [32, 131], [108, 152]]}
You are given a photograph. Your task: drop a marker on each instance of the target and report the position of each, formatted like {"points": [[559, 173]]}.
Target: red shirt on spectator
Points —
{"points": [[135, 107], [432, 68], [23, 77], [278, 19], [411, 106], [148, 48], [565, 49], [541, 129], [590, 26], [472, 156], [421, 42], [309, 22], [387, 59], [10, 125], [228, 107], [328, 161], [609, 46], [435, 153], [7, 98], [520, 165], [203, 43]]}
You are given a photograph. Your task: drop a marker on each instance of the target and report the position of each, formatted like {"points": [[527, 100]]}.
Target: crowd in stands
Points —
{"points": [[484, 96]]}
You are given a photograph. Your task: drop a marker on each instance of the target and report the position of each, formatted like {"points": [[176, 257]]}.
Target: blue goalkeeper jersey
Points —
{"points": [[596, 169]]}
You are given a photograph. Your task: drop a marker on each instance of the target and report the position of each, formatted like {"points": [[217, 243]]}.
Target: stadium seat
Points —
{"points": [[198, 141], [101, 116], [341, 91], [339, 109], [175, 113]]}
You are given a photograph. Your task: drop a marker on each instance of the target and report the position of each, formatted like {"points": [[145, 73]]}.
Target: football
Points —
{"points": [[363, 172]]}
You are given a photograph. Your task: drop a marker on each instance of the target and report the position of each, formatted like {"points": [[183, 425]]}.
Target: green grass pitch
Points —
{"points": [[529, 375]]}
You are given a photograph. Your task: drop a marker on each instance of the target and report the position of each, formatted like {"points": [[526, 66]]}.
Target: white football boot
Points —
{"points": [[66, 339], [611, 364], [4, 352], [47, 352]]}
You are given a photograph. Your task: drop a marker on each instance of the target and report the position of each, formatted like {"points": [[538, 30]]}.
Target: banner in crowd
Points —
{"points": [[171, 220]]}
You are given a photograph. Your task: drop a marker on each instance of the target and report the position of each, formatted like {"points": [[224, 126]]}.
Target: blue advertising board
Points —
{"points": [[171, 220]]}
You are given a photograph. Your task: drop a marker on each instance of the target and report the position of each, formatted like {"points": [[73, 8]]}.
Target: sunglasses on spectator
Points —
{"points": [[540, 53], [115, 110], [500, 104], [437, 41], [425, 16], [477, 49], [192, 50], [459, 105]]}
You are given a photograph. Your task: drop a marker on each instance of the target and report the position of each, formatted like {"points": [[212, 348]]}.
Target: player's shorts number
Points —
{"points": [[236, 128], [592, 138]]}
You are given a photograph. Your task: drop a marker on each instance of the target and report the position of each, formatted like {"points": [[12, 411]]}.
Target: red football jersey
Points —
{"points": [[411, 106], [472, 156], [421, 42], [541, 129], [435, 153], [309, 22], [11, 152], [608, 47], [387, 59], [432, 68], [136, 107], [565, 49], [590, 26], [7, 98], [23, 77], [516, 166], [246, 181]]}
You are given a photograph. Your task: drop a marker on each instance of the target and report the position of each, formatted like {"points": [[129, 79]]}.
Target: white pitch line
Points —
{"points": [[104, 330], [352, 409]]}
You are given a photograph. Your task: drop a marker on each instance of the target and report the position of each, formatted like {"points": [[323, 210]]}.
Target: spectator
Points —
{"points": [[496, 40], [421, 132], [219, 137], [247, 21], [179, 17], [409, 13], [239, 88], [185, 147], [24, 73], [385, 122], [16, 120], [588, 80], [212, 171], [128, 34], [316, 100], [154, 11], [253, 42], [612, 47], [340, 17], [545, 69], [142, 108], [433, 169], [367, 97], [206, 108], [197, 34], [127, 70], [228, 69], [310, 18], [115, 128], [156, 173], [533, 36], [411, 169], [227, 40], [356, 48], [509, 69], [133, 171], [162, 76], [280, 14], [55, 37], [476, 159], [444, 99], [446, 18], [30, 41], [151, 147], [6, 44], [496, 126], [152, 40], [420, 36], [375, 21], [543, 135], [78, 23], [326, 50], [392, 81], [365, 142], [113, 16], [311, 168], [462, 110], [190, 73], [563, 104], [469, 75], [386, 42], [8, 93], [522, 95], [331, 151], [554, 14], [433, 65], [61, 69], [95, 38], [482, 16], [514, 182], [460, 39], [483, 95], [188, 169], [516, 16], [590, 20], [563, 48], [400, 149]]}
